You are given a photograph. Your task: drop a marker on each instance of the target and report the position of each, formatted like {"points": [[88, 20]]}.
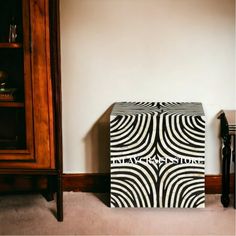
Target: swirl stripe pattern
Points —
{"points": [[157, 154]]}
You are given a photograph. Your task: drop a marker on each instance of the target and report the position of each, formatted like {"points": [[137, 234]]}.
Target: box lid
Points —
{"points": [[135, 108]]}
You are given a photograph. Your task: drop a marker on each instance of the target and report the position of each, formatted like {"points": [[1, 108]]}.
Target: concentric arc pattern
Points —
{"points": [[157, 153]]}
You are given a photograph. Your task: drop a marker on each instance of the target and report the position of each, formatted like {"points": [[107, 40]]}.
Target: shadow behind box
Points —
{"points": [[12, 128]]}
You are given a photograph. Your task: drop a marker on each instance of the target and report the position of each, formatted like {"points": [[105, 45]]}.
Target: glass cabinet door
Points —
{"points": [[26, 94], [15, 82]]}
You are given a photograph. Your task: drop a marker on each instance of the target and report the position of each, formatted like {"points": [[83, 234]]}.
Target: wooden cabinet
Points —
{"points": [[30, 125]]}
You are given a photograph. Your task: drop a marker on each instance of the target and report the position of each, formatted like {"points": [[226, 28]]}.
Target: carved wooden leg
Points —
{"points": [[225, 172], [59, 198]]}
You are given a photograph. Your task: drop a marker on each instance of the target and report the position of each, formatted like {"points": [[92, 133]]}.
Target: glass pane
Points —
{"points": [[12, 109]]}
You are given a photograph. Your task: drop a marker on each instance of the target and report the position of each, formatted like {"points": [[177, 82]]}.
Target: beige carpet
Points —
{"points": [[86, 213]]}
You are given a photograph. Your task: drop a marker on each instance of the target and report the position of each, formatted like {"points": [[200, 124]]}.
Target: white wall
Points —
{"points": [[142, 50]]}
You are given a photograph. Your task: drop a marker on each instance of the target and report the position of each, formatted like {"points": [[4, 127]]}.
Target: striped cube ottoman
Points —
{"points": [[157, 155]]}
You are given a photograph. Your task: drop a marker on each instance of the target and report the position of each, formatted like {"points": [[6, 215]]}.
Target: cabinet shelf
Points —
{"points": [[10, 45], [12, 104]]}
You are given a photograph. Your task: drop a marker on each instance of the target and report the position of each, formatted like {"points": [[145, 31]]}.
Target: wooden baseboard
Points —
{"points": [[100, 183], [213, 184], [88, 183]]}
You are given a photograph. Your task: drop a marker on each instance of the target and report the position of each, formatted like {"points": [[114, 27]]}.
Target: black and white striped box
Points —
{"points": [[157, 155]]}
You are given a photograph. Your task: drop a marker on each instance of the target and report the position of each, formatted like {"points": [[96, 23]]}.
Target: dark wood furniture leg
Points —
{"points": [[225, 171], [55, 185], [59, 198], [48, 194], [56, 82]]}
